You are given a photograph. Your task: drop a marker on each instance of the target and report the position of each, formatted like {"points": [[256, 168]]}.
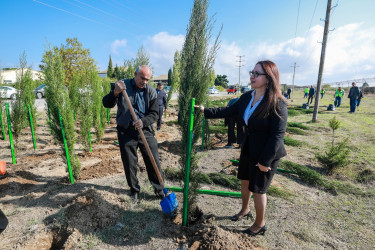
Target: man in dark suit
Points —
{"points": [[145, 104], [162, 101]]}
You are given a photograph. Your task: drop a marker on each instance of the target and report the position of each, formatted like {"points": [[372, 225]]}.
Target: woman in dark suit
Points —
{"points": [[263, 111]]}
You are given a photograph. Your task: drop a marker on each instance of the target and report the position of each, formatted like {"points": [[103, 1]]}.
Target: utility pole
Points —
{"points": [[322, 57], [294, 73], [239, 70]]}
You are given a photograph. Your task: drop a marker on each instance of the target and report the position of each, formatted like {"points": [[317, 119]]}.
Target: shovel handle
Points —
{"points": [[127, 100]]}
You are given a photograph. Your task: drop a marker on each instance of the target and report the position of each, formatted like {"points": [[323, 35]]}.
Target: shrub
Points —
{"points": [[296, 131], [336, 157], [292, 142], [366, 176]]}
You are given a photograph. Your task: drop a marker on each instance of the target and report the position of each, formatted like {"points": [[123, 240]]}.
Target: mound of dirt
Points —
{"points": [[90, 212], [217, 238]]}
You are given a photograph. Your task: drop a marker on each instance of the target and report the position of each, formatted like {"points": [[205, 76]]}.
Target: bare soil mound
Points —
{"points": [[216, 238], [91, 212]]}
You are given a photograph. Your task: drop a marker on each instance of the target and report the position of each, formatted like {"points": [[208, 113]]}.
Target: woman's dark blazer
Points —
{"points": [[263, 142]]}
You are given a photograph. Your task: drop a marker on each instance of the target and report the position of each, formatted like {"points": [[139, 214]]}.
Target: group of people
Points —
{"points": [[355, 96], [262, 113]]}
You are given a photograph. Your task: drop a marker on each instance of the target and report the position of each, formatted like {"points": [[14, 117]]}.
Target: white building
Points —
{"points": [[10, 76]]}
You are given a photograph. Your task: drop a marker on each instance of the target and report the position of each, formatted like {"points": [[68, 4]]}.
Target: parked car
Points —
{"points": [[245, 89], [213, 90], [231, 90], [167, 89], [39, 91], [8, 92]]}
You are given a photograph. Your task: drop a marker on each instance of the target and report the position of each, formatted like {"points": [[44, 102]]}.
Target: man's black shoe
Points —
{"points": [[159, 194], [134, 197]]}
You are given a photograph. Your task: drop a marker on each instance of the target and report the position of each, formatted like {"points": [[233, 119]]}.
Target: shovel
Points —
{"points": [[169, 203]]}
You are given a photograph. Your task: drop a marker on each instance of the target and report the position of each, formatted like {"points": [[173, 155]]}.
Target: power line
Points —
{"points": [[79, 16], [295, 33]]}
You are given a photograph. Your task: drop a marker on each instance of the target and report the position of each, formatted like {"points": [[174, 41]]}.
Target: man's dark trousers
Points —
{"points": [[310, 99], [160, 117], [353, 104], [129, 141]]}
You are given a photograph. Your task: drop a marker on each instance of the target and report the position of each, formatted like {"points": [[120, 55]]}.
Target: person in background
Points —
{"points": [[289, 91], [144, 100], [162, 101], [322, 93], [359, 98], [338, 96], [231, 123], [306, 92], [263, 111], [311, 94], [353, 95]]}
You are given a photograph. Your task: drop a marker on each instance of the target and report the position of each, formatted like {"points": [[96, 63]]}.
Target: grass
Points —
{"points": [[229, 181], [294, 130], [297, 125], [293, 142], [315, 179]]}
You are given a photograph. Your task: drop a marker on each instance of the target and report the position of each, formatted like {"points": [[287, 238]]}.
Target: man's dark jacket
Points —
{"points": [[263, 142], [354, 92], [162, 98], [123, 117], [311, 92]]}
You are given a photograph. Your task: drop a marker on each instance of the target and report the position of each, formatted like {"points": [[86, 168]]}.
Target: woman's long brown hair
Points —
{"points": [[272, 96]]}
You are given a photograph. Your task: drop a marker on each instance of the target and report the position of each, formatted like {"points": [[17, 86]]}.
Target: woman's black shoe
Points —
{"points": [[237, 218], [261, 231]]}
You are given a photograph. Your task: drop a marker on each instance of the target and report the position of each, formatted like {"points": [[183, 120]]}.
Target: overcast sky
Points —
{"points": [[285, 32]]}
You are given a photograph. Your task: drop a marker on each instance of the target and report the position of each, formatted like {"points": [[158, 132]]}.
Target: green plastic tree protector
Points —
{"points": [[10, 135], [31, 125], [2, 124], [187, 163], [66, 147]]}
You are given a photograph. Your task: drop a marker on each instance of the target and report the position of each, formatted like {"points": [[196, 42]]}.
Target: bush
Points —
{"points": [[292, 142], [366, 176], [296, 131], [298, 125], [336, 157]]}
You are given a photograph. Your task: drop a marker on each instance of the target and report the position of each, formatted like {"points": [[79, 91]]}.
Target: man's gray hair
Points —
{"points": [[139, 68]]}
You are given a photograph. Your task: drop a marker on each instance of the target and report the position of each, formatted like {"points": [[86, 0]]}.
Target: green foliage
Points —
{"points": [[336, 157], [74, 58], [366, 176], [175, 83], [110, 68], [98, 110], [221, 80], [295, 111], [212, 79], [298, 125], [197, 61], [334, 124], [57, 99], [296, 131], [292, 142], [25, 97], [169, 77], [116, 73]]}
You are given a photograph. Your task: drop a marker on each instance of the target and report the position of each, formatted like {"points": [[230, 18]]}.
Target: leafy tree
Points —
{"points": [[25, 97], [197, 61], [221, 80], [169, 77], [129, 68], [110, 68], [74, 58], [143, 58], [57, 98]]}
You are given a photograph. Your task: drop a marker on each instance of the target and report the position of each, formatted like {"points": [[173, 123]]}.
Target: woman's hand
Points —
{"points": [[263, 168], [201, 107]]}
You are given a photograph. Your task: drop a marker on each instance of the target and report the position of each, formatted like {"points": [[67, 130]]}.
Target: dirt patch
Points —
{"points": [[90, 212], [109, 163]]}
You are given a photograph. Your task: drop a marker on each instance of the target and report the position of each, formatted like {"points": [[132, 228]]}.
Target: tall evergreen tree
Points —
{"points": [[197, 61], [116, 73], [169, 83], [110, 68]]}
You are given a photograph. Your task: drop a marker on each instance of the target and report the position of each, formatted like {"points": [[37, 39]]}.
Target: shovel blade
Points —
{"points": [[169, 204]]}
